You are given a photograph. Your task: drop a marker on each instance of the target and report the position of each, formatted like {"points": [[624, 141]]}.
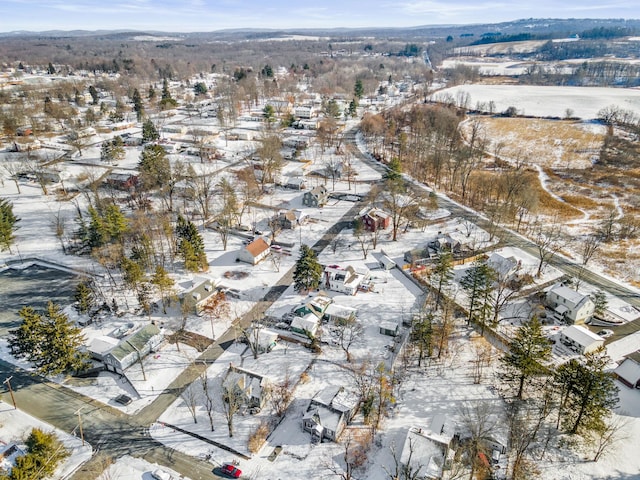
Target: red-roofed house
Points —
{"points": [[255, 252]]}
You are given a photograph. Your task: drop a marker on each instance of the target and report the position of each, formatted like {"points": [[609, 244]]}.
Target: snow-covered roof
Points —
{"points": [[581, 335], [341, 311], [629, 370], [423, 451], [569, 294], [309, 323]]}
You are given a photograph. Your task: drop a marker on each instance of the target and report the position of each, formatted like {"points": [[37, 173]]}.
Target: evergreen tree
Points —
{"points": [[8, 225], [600, 302], [308, 271], [149, 131], [167, 101], [478, 284], [358, 89], [84, 298], [94, 95], [155, 169], [51, 69], [394, 170], [112, 150], [106, 226], [200, 88], [442, 273], [331, 109], [269, 113], [422, 334], [138, 107], [151, 94], [589, 392], [44, 454], [353, 108], [528, 351], [191, 245], [50, 341]]}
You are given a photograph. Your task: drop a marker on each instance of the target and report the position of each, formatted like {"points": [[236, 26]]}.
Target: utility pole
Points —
{"points": [[80, 424], [13, 399]]}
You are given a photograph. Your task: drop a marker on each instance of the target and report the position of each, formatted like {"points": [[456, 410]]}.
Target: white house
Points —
{"points": [[198, 294], [426, 452], [255, 252], [344, 280], [568, 305], [505, 267], [580, 339], [339, 313], [133, 349]]}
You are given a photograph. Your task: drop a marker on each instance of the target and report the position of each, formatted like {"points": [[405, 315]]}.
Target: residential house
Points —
{"points": [[569, 305], [628, 372], [123, 181], [386, 263], [295, 183], [445, 243], [195, 298], [374, 219], [328, 413], [580, 339], [287, 220], [306, 325], [316, 197], [133, 349], [339, 313], [427, 452], [255, 252], [252, 385], [344, 280], [504, 266], [304, 111], [316, 305]]}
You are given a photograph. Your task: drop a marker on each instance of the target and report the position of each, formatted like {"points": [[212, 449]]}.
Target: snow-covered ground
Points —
{"points": [[539, 101]]}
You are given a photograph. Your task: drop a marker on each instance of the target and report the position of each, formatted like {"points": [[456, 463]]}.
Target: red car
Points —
{"points": [[231, 470]]}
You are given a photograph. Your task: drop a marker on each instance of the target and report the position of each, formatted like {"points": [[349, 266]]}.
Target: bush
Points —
{"points": [[258, 437]]}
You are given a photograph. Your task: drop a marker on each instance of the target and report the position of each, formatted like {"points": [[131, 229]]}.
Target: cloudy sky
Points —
{"points": [[208, 15]]}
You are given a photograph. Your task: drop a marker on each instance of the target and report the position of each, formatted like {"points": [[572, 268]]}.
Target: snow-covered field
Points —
{"points": [[538, 101]]}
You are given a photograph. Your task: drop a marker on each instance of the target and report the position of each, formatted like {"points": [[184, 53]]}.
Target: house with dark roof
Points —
{"points": [[255, 252], [316, 197], [328, 413], [133, 349]]}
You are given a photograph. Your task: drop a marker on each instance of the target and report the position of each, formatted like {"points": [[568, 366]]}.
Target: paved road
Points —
{"points": [[113, 433], [509, 237]]}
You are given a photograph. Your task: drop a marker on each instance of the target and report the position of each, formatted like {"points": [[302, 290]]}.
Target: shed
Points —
{"points": [[389, 328], [386, 262], [580, 339]]}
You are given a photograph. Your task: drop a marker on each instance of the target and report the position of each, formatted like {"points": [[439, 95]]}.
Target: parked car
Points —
{"points": [[231, 470], [124, 399], [161, 475], [605, 333]]}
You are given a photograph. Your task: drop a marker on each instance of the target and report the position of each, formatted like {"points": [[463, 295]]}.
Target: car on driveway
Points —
{"points": [[605, 333], [124, 399], [231, 470]]}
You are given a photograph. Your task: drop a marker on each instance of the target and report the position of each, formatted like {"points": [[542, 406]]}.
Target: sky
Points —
{"points": [[210, 15]]}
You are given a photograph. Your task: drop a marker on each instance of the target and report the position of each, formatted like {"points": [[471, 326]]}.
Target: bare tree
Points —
{"points": [[281, 394], [479, 422], [482, 357], [191, 400], [407, 470], [608, 435], [232, 400], [353, 455], [349, 330], [208, 397], [548, 241], [363, 237]]}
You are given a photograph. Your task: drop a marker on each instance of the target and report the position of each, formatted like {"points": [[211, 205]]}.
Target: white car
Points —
{"points": [[161, 475]]}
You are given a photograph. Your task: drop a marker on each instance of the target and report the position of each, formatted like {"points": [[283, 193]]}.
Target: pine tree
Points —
{"points": [[149, 131], [358, 89], [528, 350], [138, 107], [8, 225], [191, 245], [590, 392], [84, 298], [44, 454], [442, 273], [155, 169], [94, 94], [478, 283], [308, 271], [164, 282], [50, 341], [166, 101], [394, 170]]}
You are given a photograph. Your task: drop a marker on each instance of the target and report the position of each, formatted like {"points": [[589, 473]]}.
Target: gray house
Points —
{"points": [[252, 385], [133, 349], [329, 411], [316, 197]]}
